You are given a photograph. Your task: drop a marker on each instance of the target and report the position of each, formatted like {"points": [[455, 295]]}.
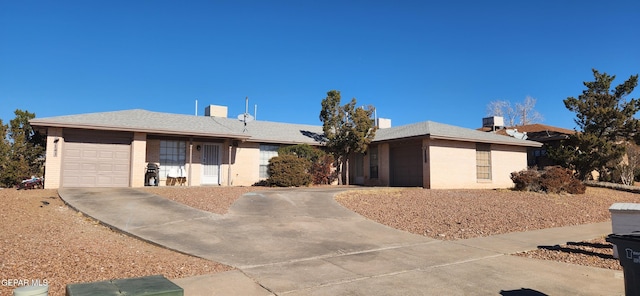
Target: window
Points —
{"points": [[266, 153], [373, 162], [539, 152], [172, 157], [483, 161]]}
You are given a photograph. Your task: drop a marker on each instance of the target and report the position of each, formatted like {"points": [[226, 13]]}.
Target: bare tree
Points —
{"points": [[504, 109], [523, 113], [527, 113], [630, 162]]}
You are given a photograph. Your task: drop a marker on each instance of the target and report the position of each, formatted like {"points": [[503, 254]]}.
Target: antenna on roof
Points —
{"points": [[245, 117], [196, 107]]}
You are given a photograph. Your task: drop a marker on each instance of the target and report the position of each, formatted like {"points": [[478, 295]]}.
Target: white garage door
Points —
{"points": [[96, 161]]}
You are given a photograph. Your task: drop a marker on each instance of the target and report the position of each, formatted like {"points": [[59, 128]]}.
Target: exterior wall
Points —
{"points": [[53, 158], [506, 160], [194, 165], [153, 151], [138, 159], [245, 164], [384, 171], [453, 165], [426, 164]]}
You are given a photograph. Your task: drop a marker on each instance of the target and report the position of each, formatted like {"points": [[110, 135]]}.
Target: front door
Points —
{"points": [[211, 164]]}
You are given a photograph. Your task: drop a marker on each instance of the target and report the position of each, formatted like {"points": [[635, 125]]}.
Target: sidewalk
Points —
{"points": [[301, 242]]}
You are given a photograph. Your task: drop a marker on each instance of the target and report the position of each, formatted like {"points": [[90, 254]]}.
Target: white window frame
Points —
{"points": [[267, 151], [173, 157]]}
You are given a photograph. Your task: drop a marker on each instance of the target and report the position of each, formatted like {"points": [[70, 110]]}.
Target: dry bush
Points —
{"points": [[551, 180]]}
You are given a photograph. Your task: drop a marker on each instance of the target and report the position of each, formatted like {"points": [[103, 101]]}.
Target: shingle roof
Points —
{"points": [[180, 124], [274, 132], [255, 131], [437, 130], [536, 132]]}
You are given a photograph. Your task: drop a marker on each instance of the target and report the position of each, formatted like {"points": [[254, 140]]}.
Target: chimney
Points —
{"points": [[215, 111], [383, 122]]}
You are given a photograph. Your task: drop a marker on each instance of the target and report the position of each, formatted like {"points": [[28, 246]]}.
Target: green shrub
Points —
{"points": [[320, 164], [551, 180], [288, 170]]}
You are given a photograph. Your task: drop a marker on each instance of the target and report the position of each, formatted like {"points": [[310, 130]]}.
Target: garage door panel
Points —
{"points": [[103, 162], [122, 155], [73, 153], [104, 155], [105, 167], [88, 167], [121, 167], [90, 153]]}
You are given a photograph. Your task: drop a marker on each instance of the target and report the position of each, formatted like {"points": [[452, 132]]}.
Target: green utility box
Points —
{"points": [[155, 285]]}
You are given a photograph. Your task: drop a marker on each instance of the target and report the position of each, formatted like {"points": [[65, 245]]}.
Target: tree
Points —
{"points": [[630, 164], [503, 109], [523, 113], [5, 150], [319, 162], [348, 129], [606, 122], [526, 111], [24, 156]]}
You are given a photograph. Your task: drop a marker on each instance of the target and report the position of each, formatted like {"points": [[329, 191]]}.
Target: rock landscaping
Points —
{"points": [[43, 240]]}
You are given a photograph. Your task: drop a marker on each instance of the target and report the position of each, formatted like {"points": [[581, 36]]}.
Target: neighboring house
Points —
{"points": [[113, 149], [545, 134]]}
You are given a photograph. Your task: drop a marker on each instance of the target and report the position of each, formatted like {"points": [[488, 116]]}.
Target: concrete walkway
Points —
{"points": [[302, 242]]}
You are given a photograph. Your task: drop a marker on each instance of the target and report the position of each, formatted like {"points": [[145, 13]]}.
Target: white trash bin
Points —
{"points": [[32, 291]]}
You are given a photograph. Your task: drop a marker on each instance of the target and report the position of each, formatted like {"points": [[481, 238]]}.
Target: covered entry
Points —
{"points": [[405, 163], [96, 159]]}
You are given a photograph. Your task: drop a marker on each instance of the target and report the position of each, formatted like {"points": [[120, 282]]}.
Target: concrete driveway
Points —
{"points": [[302, 242]]}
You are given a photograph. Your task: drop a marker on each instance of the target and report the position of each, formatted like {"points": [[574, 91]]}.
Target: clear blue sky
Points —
{"points": [[413, 60]]}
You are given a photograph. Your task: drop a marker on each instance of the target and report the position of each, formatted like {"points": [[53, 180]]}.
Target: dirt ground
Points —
{"points": [[41, 239]]}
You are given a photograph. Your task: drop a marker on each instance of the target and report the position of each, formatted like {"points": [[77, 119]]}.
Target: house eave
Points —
{"points": [[141, 130], [524, 143], [461, 139]]}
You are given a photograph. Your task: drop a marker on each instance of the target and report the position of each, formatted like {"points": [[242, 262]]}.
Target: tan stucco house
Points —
{"points": [[113, 149]]}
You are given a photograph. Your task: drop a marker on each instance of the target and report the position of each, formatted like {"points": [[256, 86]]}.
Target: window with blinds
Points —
{"points": [[266, 153], [483, 161]]}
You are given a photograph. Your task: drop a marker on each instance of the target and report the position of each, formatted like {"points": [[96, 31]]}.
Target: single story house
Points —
{"points": [[113, 149]]}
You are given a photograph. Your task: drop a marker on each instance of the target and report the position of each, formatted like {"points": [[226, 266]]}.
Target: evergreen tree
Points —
{"points": [[5, 149], [348, 129], [605, 120], [21, 150]]}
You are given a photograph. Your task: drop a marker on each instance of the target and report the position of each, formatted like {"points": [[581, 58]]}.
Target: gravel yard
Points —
{"points": [[461, 214], [42, 239]]}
